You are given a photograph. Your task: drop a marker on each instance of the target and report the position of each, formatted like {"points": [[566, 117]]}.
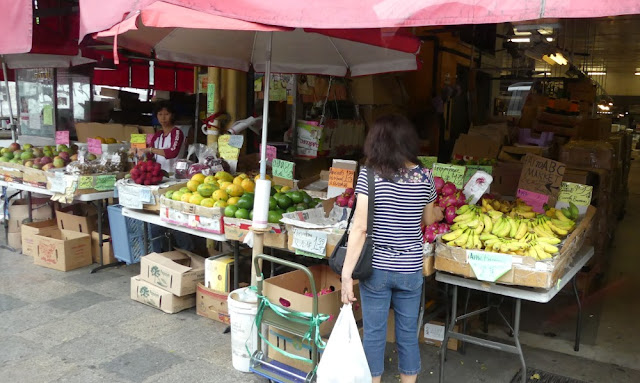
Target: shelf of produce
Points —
{"points": [[154, 218]]}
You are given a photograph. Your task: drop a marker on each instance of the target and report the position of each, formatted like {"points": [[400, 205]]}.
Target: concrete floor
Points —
{"points": [[81, 327]]}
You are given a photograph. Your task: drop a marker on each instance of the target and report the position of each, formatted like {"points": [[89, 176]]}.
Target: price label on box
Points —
{"points": [[341, 178], [533, 199], [95, 146], [129, 197], [85, 182], [310, 241], [227, 151], [138, 141], [236, 141], [577, 193], [489, 266], [272, 153], [62, 137], [283, 169], [450, 173]]}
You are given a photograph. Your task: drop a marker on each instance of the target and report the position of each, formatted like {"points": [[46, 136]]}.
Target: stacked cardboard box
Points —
{"points": [[19, 212], [212, 295], [65, 247], [168, 281]]}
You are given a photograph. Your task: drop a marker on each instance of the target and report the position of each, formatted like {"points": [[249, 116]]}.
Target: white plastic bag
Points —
{"points": [[343, 360]]}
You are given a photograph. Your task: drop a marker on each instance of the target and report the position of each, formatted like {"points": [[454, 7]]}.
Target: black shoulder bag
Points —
{"points": [[364, 266]]}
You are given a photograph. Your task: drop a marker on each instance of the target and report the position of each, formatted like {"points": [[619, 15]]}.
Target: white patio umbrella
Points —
{"points": [[181, 34]]}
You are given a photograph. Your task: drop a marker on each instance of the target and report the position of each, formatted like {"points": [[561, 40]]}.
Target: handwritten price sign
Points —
{"points": [[533, 199], [577, 193], [272, 153], [283, 169], [62, 137], [227, 151], [139, 141], [450, 173], [489, 266], [341, 178], [95, 146], [311, 241]]}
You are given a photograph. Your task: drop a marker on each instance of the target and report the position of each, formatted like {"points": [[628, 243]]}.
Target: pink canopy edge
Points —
{"points": [[16, 27], [99, 15]]}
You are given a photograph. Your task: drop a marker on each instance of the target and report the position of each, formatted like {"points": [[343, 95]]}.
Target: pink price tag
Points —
{"points": [[535, 200], [95, 146], [149, 140], [272, 153], [62, 137]]}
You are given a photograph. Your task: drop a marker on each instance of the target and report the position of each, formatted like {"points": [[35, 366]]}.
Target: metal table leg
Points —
{"points": [[485, 327], [29, 207], [100, 207], [516, 339], [236, 264], [447, 331], [576, 346], [463, 346]]}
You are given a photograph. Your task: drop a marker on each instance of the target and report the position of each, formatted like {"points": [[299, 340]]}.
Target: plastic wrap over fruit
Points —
{"points": [[182, 169]]}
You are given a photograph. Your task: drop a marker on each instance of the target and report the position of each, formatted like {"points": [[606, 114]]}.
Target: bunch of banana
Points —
{"points": [[501, 206], [466, 238], [471, 217], [571, 212], [523, 210], [503, 245]]}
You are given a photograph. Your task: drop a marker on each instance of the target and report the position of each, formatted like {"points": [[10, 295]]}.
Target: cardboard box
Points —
{"points": [[516, 153], [35, 177], [594, 154], [212, 304], [93, 129], [293, 345], [107, 249], [433, 333], [151, 295], [19, 211], [594, 129], [12, 172], [218, 273], [475, 148], [287, 290], [541, 175], [63, 250], [332, 239], [29, 232], [178, 272], [206, 219], [505, 178], [82, 218], [236, 229], [14, 240], [525, 271]]}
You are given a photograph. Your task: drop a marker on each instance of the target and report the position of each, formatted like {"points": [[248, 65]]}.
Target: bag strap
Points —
{"points": [[371, 185]]}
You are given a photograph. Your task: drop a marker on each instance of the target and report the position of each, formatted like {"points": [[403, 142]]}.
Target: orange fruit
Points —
{"points": [[220, 195], [193, 185], [234, 190], [186, 197]]}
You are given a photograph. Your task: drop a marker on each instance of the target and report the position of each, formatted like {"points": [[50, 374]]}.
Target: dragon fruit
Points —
{"points": [[449, 189], [439, 183], [450, 214]]}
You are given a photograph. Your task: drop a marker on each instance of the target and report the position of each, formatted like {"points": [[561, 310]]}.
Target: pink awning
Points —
{"points": [[98, 15], [16, 26]]}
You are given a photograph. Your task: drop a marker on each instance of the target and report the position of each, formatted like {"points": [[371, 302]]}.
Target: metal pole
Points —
{"points": [[6, 84], [265, 109], [294, 116]]}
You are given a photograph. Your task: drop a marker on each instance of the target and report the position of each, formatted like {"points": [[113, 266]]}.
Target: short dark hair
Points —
{"points": [[165, 105], [391, 142]]}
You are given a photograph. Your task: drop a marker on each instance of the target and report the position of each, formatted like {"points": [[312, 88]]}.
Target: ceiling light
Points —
{"points": [[559, 58], [549, 39], [611, 104], [520, 40], [637, 73], [597, 73]]}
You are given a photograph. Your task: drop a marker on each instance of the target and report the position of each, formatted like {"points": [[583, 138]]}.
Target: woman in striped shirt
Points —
{"points": [[404, 196]]}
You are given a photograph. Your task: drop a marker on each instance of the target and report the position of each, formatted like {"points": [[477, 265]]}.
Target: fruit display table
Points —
{"points": [[97, 199], [519, 293]]}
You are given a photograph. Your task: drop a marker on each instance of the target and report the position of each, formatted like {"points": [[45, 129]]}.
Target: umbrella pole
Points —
{"points": [[6, 84], [263, 186]]}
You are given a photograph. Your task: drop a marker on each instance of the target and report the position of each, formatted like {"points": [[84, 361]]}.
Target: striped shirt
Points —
{"points": [[398, 209]]}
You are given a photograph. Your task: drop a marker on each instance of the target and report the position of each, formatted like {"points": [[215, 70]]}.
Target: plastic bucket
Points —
{"points": [[243, 306]]}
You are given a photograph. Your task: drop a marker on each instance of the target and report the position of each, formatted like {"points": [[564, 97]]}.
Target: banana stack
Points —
{"points": [[511, 228]]}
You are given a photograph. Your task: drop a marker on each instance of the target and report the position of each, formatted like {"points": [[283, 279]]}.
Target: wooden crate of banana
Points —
{"points": [[541, 246]]}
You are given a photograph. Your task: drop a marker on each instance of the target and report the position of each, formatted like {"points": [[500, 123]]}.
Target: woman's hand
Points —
{"points": [[347, 290], [438, 213]]}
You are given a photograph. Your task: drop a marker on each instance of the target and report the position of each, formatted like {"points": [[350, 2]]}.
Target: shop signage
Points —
{"points": [[211, 95], [541, 175], [283, 169], [341, 178], [105, 182], [577, 193], [450, 173], [139, 141], [62, 137], [95, 146], [227, 151], [310, 241]]}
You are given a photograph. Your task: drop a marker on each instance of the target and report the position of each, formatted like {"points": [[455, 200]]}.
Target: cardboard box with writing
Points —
{"points": [[236, 229], [63, 250], [431, 333], [212, 304], [19, 211], [293, 345], [31, 230], [154, 296], [177, 272], [82, 218], [218, 273], [93, 129], [107, 249], [288, 290], [541, 175]]}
